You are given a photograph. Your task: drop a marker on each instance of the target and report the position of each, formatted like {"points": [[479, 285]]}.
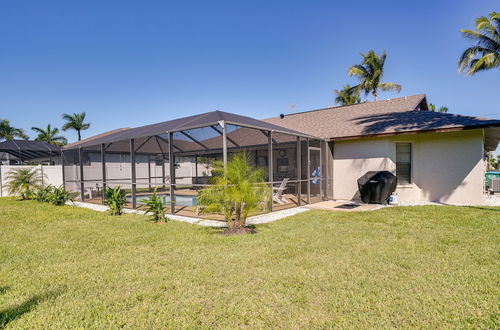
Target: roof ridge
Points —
{"points": [[356, 104]]}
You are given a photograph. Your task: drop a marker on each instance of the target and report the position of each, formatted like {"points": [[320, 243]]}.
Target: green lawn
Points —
{"points": [[397, 267]]}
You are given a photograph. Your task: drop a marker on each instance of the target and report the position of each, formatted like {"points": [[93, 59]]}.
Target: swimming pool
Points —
{"points": [[180, 200]]}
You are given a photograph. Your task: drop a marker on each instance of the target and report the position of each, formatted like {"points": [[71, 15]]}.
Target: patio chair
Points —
{"points": [[89, 192], [278, 192]]}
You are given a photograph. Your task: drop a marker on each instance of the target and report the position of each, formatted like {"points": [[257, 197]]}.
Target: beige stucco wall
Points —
{"points": [[446, 167]]}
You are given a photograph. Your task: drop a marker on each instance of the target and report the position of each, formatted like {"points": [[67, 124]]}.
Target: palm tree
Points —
{"points": [[432, 107], [76, 122], [370, 73], [347, 95], [21, 180], [485, 54], [49, 135], [238, 189], [8, 132]]}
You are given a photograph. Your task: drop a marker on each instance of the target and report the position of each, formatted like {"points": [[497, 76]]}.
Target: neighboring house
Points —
{"points": [[438, 157]]}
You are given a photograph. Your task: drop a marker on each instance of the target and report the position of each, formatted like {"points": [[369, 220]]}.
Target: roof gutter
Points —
{"points": [[438, 130]]}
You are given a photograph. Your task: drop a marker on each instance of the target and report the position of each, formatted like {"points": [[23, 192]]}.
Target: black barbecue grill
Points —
{"points": [[375, 187]]}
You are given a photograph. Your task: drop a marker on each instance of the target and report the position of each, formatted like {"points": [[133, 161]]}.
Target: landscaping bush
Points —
{"points": [[59, 196], [41, 193], [115, 199], [155, 207]]}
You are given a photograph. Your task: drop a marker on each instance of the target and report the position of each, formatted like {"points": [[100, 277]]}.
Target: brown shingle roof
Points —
{"points": [[385, 117]]}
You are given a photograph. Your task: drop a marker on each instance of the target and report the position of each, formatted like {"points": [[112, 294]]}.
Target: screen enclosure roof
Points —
{"points": [[181, 124], [27, 149]]}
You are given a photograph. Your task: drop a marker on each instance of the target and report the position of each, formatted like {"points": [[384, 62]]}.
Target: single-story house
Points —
{"points": [[309, 156], [437, 157]]}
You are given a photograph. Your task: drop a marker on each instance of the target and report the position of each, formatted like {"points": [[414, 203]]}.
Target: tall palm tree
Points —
{"points": [[485, 54], [370, 73], [8, 132], [432, 107], [49, 135], [76, 122], [347, 95]]}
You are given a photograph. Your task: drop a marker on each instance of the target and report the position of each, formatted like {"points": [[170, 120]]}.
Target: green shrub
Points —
{"points": [[30, 193], [59, 196], [155, 207], [115, 199], [41, 193]]}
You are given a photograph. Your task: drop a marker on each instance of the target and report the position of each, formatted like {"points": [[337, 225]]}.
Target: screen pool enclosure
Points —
{"points": [[175, 157], [27, 152]]}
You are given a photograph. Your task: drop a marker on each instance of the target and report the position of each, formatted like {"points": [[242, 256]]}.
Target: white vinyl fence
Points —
{"points": [[52, 174]]}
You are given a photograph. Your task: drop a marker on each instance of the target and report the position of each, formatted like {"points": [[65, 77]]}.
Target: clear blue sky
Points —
{"points": [[129, 63]]}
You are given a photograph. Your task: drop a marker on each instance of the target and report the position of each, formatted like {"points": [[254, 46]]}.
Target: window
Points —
{"points": [[403, 163]]}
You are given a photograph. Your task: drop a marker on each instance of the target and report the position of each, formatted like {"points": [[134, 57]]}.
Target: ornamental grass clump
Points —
{"points": [[237, 189]]}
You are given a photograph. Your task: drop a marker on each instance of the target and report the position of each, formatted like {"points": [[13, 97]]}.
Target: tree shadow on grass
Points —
{"points": [[13, 313]]}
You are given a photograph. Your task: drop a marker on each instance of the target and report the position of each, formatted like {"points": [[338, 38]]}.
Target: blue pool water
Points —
{"points": [[180, 200]]}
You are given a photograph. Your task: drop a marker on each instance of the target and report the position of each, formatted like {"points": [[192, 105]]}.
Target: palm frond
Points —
{"points": [[481, 39], [483, 24], [468, 55], [485, 62], [357, 70], [347, 95], [485, 54], [370, 73], [390, 87], [38, 129]]}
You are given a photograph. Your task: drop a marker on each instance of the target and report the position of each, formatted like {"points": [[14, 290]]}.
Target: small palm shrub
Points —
{"points": [[155, 207], [237, 189], [59, 196], [115, 199], [22, 181]]}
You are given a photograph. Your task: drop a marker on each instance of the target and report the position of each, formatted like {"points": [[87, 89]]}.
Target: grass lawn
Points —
{"points": [[396, 267]]}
